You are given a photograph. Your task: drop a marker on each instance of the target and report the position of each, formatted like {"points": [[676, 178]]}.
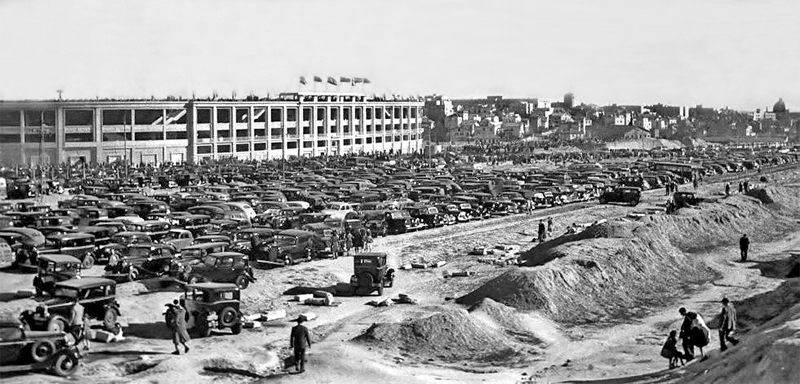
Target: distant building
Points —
{"points": [[436, 108]]}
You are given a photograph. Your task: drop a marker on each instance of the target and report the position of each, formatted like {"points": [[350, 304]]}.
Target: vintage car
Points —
{"points": [[249, 239], [102, 235], [402, 222], [289, 247], [154, 228], [212, 239], [428, 215], [223, 227], [178, 238], [79, 201], [78, 245], [142, 260], [219, 267], [213, 306], [370, 273], [376, 221], [120, 241], [24, 350], [53, 269], [97, 295], [626, 195], [322, 243], [197, 224], [685, 199]]}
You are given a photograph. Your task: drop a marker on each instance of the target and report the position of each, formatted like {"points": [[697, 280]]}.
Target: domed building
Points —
{"points": [[779, 107]]}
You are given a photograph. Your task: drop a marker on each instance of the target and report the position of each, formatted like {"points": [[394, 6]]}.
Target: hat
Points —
{"points": [[300, 319]]}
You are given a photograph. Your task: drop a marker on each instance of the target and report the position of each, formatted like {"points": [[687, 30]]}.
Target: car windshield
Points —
{"points": [[244, 235], [192, 253], [285, 240], [208, 260], [172, 235], [65, 292], [138, 252]]}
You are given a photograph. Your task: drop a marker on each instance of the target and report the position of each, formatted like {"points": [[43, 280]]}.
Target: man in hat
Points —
{"points": [[300, 341], [744, 246], [176, 321]]}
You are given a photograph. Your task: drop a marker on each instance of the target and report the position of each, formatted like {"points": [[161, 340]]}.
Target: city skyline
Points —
{"points": [[737, 54]]}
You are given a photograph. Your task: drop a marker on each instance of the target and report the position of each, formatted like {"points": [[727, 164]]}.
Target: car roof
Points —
{"points": [[86, 282], [73, 235], [371, 254], [227, 254], [130, 233], [212, 286], [204, 246], [295, 232], [60, 258]]}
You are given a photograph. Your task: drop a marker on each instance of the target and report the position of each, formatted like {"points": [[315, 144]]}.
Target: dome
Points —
{"points": [[779, 107]]}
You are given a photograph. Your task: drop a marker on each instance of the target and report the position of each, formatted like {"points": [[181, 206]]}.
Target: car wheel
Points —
{"points": [[287, 261], [88, 261], [228, 317], [242, 282], [57, 325], [65, 365], [42, 350], [133, 274], [203, 330], [109, 319]]}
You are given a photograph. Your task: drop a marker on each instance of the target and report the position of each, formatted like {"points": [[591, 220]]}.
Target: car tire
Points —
{"points": [[109, 319], [228, 317], [88, 261], [242, 282], [57, 324], [65, 365], [41, 350], [133, 274]]}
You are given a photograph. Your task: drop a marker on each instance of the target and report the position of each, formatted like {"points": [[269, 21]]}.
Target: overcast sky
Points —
{"points": [[738, 53]]}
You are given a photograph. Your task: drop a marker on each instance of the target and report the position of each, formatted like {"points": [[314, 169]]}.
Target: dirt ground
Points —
{"points": [[433, 340]]}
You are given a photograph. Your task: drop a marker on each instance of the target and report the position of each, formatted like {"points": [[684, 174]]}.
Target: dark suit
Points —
{"points": [[299, 340]]}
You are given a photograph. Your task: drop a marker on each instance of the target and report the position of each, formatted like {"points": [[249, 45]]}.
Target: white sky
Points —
{"points": [[735, 53]]}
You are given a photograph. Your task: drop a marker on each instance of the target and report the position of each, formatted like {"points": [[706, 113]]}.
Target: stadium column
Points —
{"points": [[232, 132], [164, 155], [97, 135], [268, 131], [313, 125], [59, 132], [340, 130], [250, 132], [284, 133], [214, 138]]}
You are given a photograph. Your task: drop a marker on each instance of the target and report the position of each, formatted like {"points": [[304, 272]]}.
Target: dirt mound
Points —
{"points": [[619, 269], [524, 327], [449, 335]]}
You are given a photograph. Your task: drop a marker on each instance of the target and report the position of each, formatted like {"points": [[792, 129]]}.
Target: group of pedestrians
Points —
{"points": [[544, 229], [695, 333]]}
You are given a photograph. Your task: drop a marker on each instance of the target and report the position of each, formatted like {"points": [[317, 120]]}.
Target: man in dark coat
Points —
{"points": [[300, 341], [744, 245], [727, 324], [685, 334], [176, 321], [542, 231]]}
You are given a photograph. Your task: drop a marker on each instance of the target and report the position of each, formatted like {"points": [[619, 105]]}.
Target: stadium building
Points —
{"points": [[155, 131]]}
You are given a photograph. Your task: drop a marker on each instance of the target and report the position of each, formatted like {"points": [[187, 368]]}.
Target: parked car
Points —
{"points": [[53, 269], [213, 306], [97, 295], [24, 350], [684, 199], [627, 195], [220, 267], [289, 247], [178, 238], [142, 260], [78, 245], [370, 273]]}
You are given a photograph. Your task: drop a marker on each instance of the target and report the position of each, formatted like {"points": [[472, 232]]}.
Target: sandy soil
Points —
{"points": [[535, 348]]}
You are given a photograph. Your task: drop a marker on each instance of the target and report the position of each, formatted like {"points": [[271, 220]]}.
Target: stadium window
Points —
{"points": [[223, 133], [9, 138], [260, 146], [291, 145], [176, 116], [346, 141], [223, 115], [320, 114], [276, 146], [242, 147], [291, 114], [176, 135], [322, 143], [275, 115], [405, 137], [204, 134], [260, 115], [204, 116], [116, 136], [79, 137], [148, 136], [358, 113], [306, 114], [78, 117], [241, 115], [369, 140], [203, 149], [224, 148], [10, 118], [379, 139], [149, 116], [369, 113], [242, 133], [259, 132], [116, 117], [308, 144], [359, 141]]}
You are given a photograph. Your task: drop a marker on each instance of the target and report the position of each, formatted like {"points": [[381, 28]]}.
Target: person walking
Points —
{"points": [[741, 187], [685, 334], [727, 324], [541, 230], [549, 225], [176, 321], [299, 340], [348, 242], [744, 246], [700, 332], [727, 189]]}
